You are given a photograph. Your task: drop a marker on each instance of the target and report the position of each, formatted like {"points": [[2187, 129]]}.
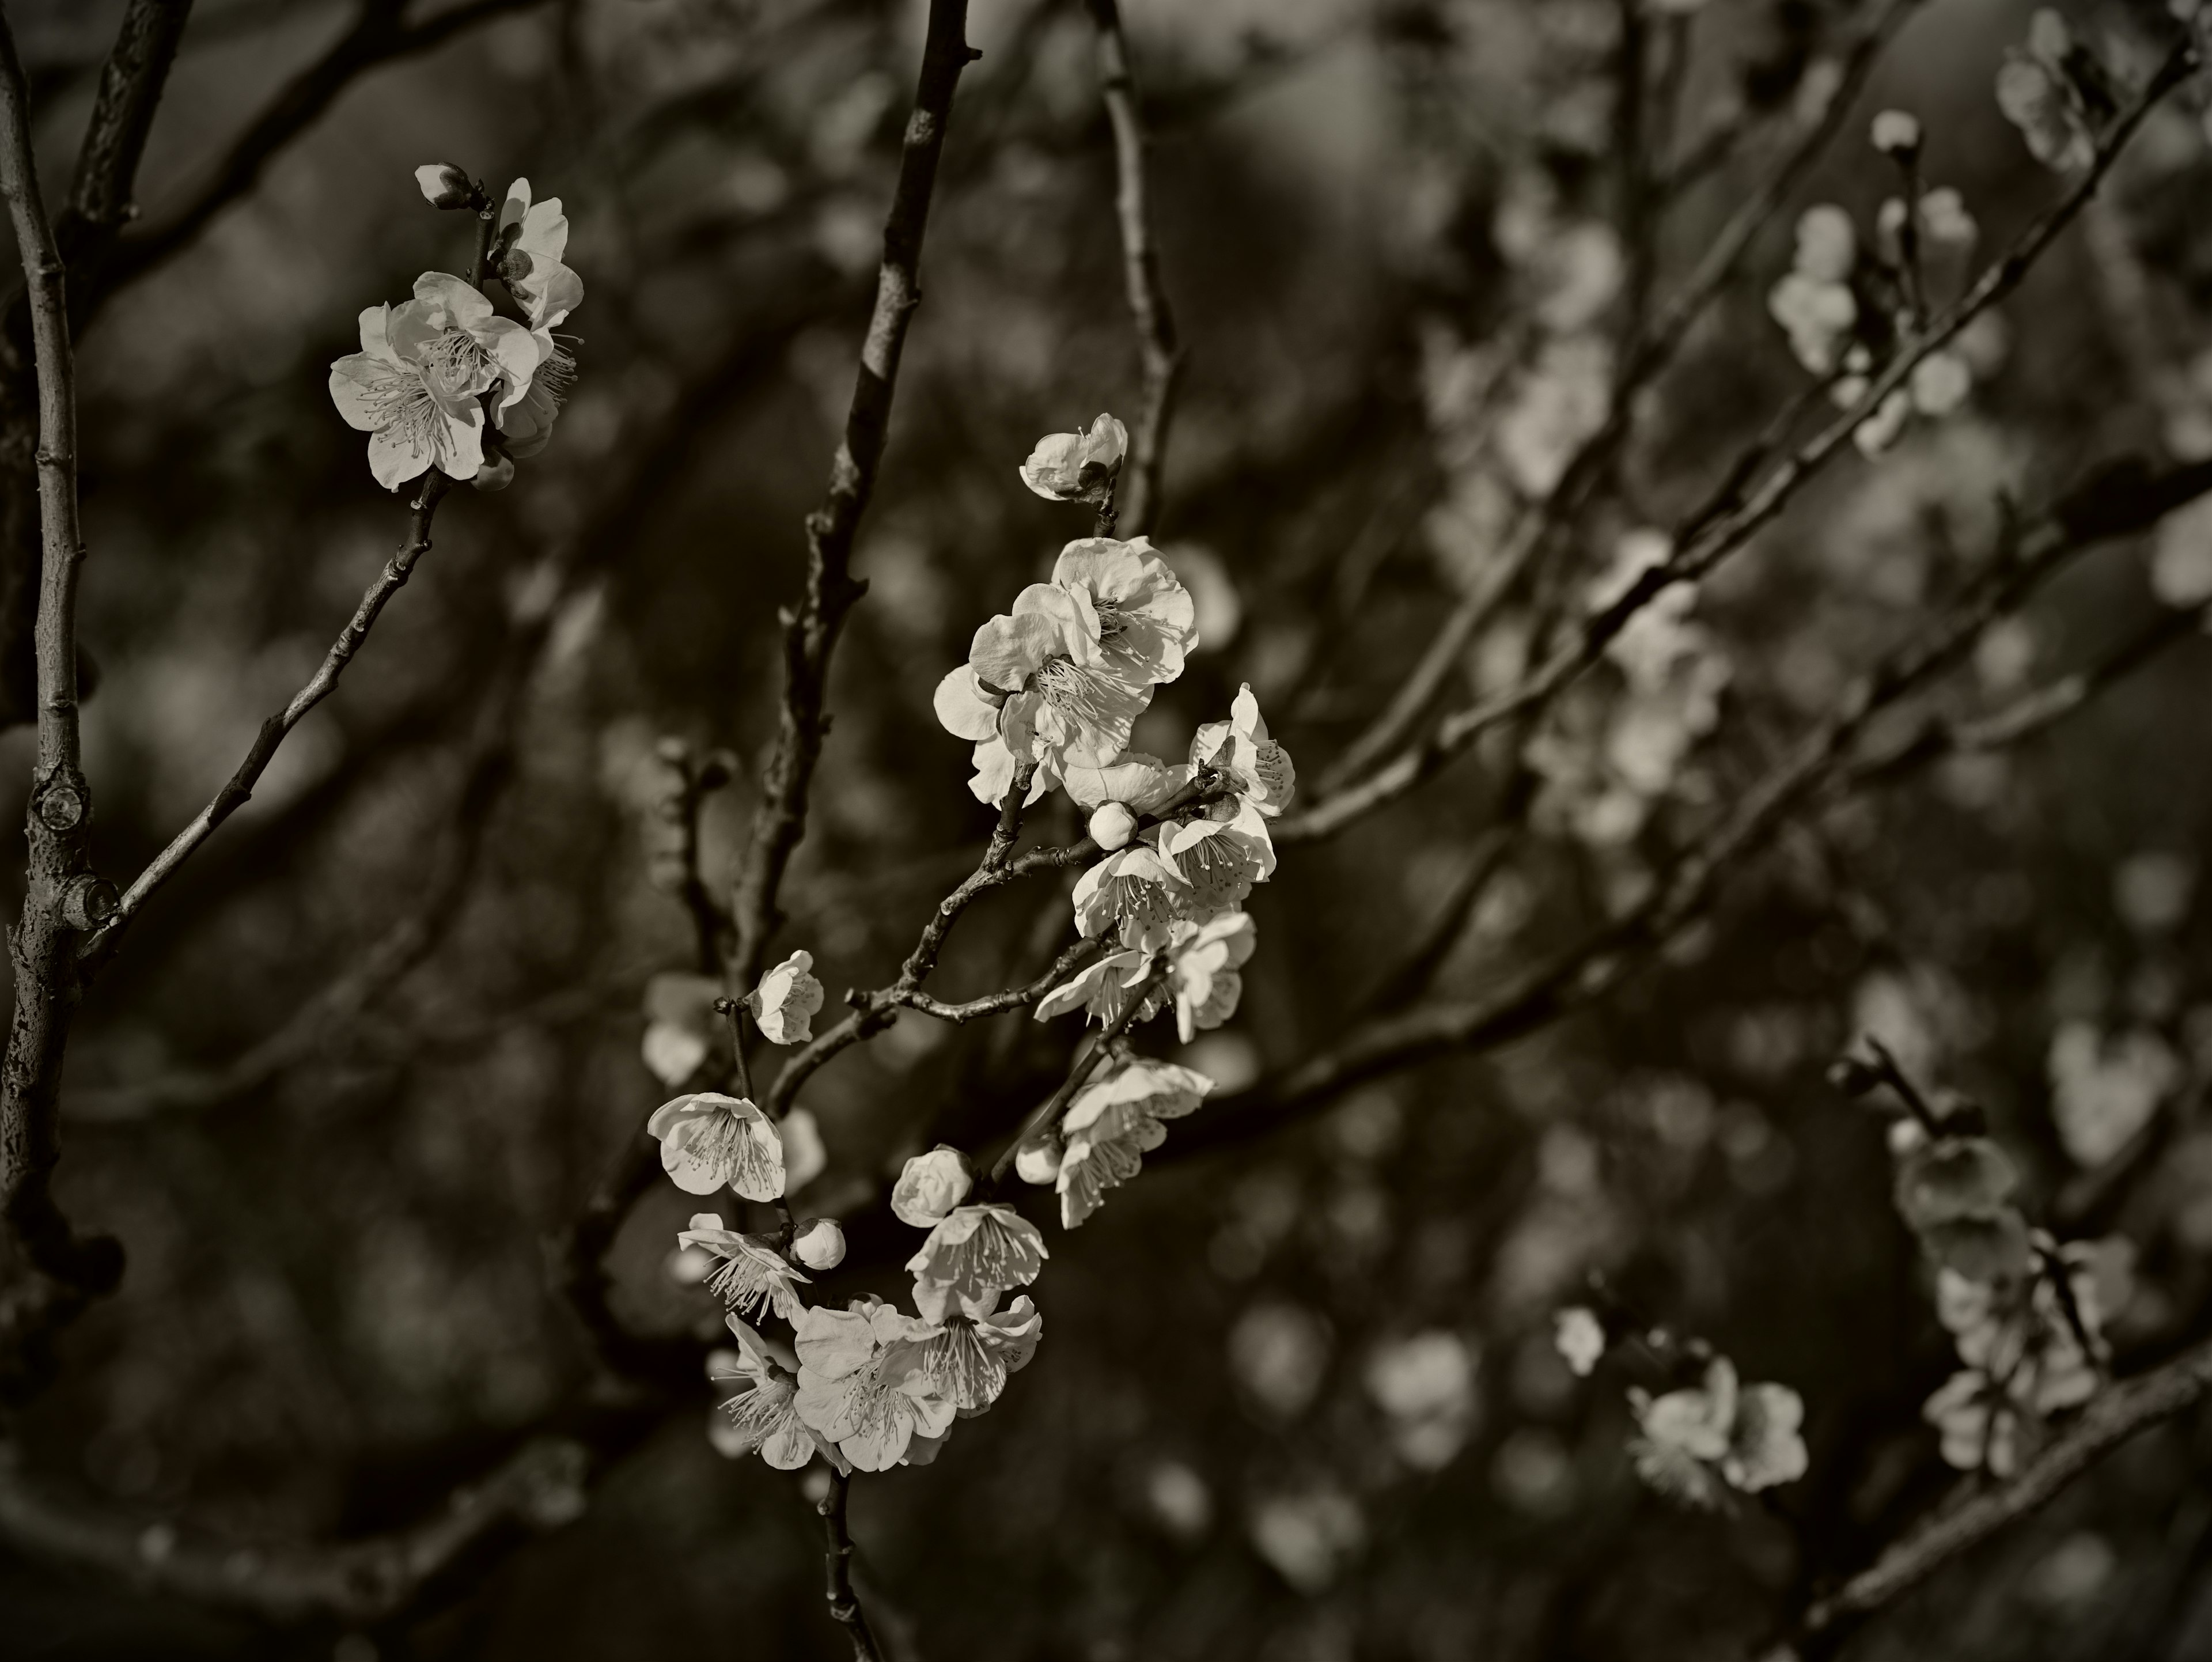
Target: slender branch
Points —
{"points": [[131, 87], [360, 1582], [2111, 1418], [837, 1571], [240, 788], [62, 896], [377, 36], [1138, 508], [811, 632], [1699, 554]]}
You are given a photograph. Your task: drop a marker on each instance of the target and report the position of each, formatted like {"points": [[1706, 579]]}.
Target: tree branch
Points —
{"points": [[837, 1571], [1139, 506], [811, 633]]}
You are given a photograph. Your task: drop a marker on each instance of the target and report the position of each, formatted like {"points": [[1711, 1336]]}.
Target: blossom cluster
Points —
{"points": [[1700, 1440], [445, 381], [1846, 302]]}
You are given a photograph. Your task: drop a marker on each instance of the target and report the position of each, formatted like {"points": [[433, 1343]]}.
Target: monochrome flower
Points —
{"points": [[930, 1186], [970, 1358], [1896, 133], [1219, 853], [784, 1003], [861, 1384], [1112, 1123], [1203, 965], [1133, 892], [1102, 990], [765, 1417], [443, 185], [1078, 466], [1110, 827], [532, 240], [707, 1139], [1037, 1160], [1039, 681], [2040, 94], [974, 1254], [819, 1244], [416, 387], [1240, 747], [1692, 1442], [1144, 620], [753, 1275]]}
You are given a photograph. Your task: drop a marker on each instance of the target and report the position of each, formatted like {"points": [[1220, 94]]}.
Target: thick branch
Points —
{"points": [[811, 633], [1139, 503]]}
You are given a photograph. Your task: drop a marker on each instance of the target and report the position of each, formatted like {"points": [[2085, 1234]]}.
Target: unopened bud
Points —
{"points": [[819, 1245], [1038, 1160], [1895, 133], [1112, 826], [496, 473], [443, 186]]}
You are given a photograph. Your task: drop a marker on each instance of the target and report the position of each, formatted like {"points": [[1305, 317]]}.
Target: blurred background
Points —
{"points": [[1298, 1397]]}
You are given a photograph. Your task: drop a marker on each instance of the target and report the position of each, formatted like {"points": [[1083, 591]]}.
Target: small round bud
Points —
{"points": [[1112, 826], [1895, 133], [443, 186], [819, 1244], [1038, 1160], [496, 473]]}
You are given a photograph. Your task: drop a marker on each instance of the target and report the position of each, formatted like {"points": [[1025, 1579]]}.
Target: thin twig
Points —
{"points": [[1138, 508], [810, 634], [837, 1571], [239, 786]]}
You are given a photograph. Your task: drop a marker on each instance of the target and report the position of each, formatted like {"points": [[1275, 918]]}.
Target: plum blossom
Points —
{"points": [[707, 1139], [930, 1186], [819, 1244], [1073, 467], [417, 386], [765, 1417], [784, 1001], [443, 185], [861, 1384], [752, 1275], [1146, 622], [1112, 1123], [974, 1254], [1111, 825], [1134, 893], [1896, 133], [532, 240], [1692, 1442], [1219, 853], [1203, 964], [970, 1358], [1115, 795], [1813, 303], [1241, 748], [1102, 989], [1037, 1160]]}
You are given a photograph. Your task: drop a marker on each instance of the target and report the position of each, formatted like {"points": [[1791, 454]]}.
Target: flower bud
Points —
{"points": [[819, 1245], [496, 473], [443, 186], [1038, 1160], [930, 1186], [1112, 826], [1895, 133]]}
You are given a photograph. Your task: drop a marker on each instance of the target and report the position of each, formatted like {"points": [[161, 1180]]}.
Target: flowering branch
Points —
{"points": [[1048, 1112], [1724, 535], [2111, 1418], [1140, 495], [811, 632], [62, 895]]}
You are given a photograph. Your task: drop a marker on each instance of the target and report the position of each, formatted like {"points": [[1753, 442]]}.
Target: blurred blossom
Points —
{"points": [[2104, 1089], [1579, 1337], [2181, 554], [1895, 133], [2073, 1572], [2005, 654], [2152, 890], [1426, 1385], [681, 1027], [1532, 1472], [1691, 1441], [1558, 404], [1279, 1352], [2038, 96], [1307, 1538], [1213, 592], [1178, 1498], [804, 1157], [1368, 1124], [1230, 1060]]}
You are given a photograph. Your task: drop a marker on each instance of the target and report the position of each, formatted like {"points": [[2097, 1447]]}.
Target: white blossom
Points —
{"points": [[1114, 1121], [930, 1186], [861, 1384], [784, 1003], [1203, 965], [974, 1254], [819, 1244], [1691, 1442], [1102, 989], [765, 1417], [969, 1359], [1579, 1337], [2036, 91], [751, 1275], [1896, 133], [707, 1139], [1078, 466], [681, 1027], [1240, 747], [443, 185]]}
